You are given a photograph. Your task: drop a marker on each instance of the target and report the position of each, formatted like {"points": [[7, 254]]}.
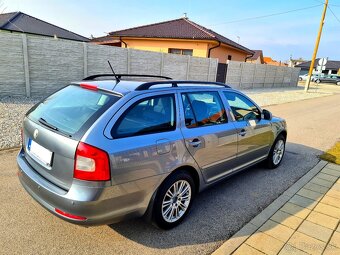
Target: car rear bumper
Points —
{"points": [[99, 203]]}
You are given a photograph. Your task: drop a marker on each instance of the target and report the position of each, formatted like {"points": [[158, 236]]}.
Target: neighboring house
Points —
{"points": [[331, 67], [294, 62], [257, 58], [270, 61], [179, 36], [18, 22]]}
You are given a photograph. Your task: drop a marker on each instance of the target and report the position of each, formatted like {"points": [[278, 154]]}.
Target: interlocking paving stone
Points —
{"points": [[331, 201], [287, 219], [316, 188], [295, 210], [290, 250], [335, 240], [326, 177], [303, 201], [331, 250], [246, 249], [277, 230], [315, 230], [323, 220], [265, 243], [336, 186], [328, 210], [322, 182], [333, 166], [306, 243], [309, 194], [331, 172], [333, 193]]}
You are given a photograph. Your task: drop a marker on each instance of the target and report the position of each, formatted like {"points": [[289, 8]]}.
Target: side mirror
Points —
{"points": [[267, 115]]}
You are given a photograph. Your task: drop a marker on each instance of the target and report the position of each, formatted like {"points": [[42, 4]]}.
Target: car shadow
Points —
{"points": [[221, 210]]}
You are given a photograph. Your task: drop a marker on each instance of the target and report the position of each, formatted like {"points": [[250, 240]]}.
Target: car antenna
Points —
{"points": [[116, 76]]}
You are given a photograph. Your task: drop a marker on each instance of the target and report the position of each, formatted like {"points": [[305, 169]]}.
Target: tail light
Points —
{"points": [[91, 163]]}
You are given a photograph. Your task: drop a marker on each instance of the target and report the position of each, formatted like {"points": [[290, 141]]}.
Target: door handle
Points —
{"points": [[195, 142], [243, 132]]}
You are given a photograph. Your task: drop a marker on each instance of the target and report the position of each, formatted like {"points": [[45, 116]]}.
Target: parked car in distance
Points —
{"points": [[328, 79], [101, 151], [303, 77]]}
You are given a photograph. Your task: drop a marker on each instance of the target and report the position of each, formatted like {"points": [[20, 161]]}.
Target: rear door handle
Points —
{"points": [[195, 142], [243, 132]]}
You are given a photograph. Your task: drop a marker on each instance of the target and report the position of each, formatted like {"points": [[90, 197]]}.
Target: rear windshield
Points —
{"points": [[71, 108]]}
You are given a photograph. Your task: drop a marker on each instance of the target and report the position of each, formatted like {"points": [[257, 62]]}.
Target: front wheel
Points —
{"points": [[338, 83], [318, 81], [276, 152], [173, 200]]}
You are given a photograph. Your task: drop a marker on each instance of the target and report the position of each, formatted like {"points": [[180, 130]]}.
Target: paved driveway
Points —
{"points": [[218, 212]]}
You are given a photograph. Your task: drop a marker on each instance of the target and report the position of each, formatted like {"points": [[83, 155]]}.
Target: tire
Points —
{"points": [[165, 218], [338, 83], [317, 81], [300, 79], [275, 157]]}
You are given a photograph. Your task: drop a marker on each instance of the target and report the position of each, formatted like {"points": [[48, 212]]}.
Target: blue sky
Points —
{"points": [[278, 36]]}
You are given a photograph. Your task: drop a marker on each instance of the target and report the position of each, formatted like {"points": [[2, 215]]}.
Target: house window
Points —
{"points": [[229, 57], [181, 51]]}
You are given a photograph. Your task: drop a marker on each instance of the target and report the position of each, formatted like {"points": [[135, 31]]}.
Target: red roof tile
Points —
{"points": [[182, 28]]}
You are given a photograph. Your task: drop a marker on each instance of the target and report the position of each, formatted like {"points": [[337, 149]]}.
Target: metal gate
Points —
{"points": [[221, 72]]}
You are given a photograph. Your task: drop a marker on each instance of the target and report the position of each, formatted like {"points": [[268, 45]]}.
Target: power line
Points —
{"points": [[334, 14], [266, 16]]}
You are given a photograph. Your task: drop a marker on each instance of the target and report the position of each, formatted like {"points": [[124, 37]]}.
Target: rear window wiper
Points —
{"points": [[45, 123]]}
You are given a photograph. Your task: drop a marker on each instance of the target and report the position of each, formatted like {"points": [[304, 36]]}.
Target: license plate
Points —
{"points": [[41, 153]]}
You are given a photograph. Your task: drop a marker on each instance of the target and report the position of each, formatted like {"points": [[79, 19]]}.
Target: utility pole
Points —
{"points": [[316, 46]]}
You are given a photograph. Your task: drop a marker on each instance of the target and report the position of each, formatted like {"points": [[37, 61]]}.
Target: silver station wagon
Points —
{"points": [[103, 150]]}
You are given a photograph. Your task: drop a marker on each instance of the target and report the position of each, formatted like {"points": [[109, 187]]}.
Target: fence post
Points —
{"points": [[162, 64], [85, 59], [208, 75], [188, 68], [128, 61], [26, 67]]}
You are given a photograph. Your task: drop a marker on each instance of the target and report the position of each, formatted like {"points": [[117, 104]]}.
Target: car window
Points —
{"points": [[203, 109], [242, 108], [149, 115], [71, 107]]}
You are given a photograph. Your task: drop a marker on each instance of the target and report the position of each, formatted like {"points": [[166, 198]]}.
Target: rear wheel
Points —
{"points": [[317, 81], [173, 200], [338, 83], [276, 152]]}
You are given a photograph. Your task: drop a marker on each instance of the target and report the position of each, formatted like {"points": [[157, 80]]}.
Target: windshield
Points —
{"points": [[69, 109]]}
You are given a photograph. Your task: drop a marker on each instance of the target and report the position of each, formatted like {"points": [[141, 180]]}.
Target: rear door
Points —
{"points": [[143, 137], [253, 132], [209, 136]]}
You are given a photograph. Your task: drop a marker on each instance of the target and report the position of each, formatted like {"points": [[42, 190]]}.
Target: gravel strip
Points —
{"points": [[13, 109]]}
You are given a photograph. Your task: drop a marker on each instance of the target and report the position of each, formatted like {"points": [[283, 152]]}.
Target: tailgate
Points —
{"points": [[49, 153]]}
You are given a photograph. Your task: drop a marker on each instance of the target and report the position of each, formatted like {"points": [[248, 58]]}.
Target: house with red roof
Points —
{"points": [[180, 36]]}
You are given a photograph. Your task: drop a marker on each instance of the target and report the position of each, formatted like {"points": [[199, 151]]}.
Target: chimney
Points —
{"points": [[185, 16]]}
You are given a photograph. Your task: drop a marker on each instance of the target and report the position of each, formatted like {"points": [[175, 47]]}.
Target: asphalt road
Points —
{"points": [[26, 228]]}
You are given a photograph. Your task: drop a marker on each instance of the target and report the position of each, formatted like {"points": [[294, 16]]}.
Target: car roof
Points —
{"points": [[126, 86]]}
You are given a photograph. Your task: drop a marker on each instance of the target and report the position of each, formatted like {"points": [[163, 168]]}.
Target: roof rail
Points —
{"points": [[174, 83], [92, 77]]}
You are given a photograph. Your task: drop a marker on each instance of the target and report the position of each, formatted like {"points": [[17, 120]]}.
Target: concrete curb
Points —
{"points": [[251, 227]]}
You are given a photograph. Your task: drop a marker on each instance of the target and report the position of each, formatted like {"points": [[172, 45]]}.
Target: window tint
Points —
{"points": [[71, 107], [150, 115], [203, 109], [242, 108]]}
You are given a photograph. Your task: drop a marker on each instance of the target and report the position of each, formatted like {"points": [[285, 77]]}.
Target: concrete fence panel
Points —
{"points": [[37, 66], [242, 75], [12, 70]]}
